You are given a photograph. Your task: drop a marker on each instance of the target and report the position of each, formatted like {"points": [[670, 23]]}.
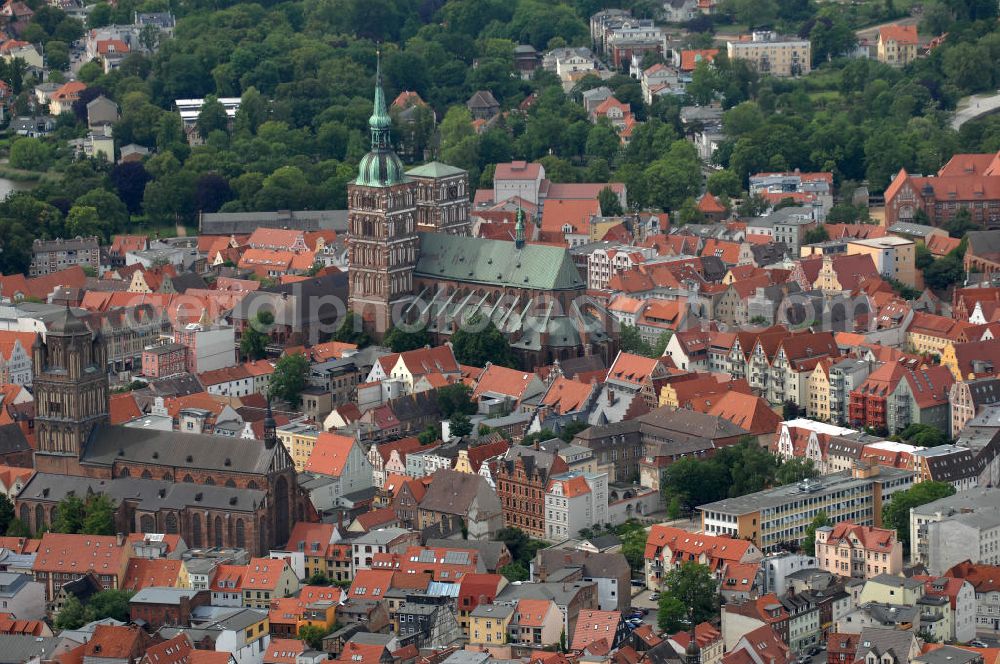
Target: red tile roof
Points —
{"points": [[438, 359], [78, 554], [311, 538], [476, 589], [682, 545], [123, 408], [691, 58], [145, 573], [984, 578], [632, 368], [283, 651], [571, 488], [113, 642], [501, 380], [532, 612], [901, 34], [361, 653], [329, 455], [370, 584], [567, 396], [704, 633], [593, 626], [709, 204], [517, 170], [747, 411], [263, 573], [172, 651], [872, 539], [228, 578]]}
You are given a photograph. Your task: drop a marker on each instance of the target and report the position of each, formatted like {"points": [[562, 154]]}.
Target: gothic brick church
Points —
{"points": [[212, 490], [412, 260]]}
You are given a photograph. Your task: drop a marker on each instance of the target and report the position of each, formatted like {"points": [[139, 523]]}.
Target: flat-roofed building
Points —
{"points": [[782, 514]]}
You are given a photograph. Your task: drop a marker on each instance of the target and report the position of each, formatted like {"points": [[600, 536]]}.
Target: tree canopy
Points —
{"points": [[689, 596], [896, 514]]}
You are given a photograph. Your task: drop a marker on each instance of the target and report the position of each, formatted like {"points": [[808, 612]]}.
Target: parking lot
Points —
{"points": [[641, 601]]}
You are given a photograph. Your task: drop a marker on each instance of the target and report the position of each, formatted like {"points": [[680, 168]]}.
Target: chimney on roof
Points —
{"points": [[120, 539]]}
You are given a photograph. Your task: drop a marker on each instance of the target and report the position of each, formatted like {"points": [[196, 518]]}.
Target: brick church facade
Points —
{"points": [[211, 490]]}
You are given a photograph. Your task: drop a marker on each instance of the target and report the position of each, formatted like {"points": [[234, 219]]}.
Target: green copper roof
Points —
{"points": [[380, 114], [380, 167], [434, 169], [496, 262]]}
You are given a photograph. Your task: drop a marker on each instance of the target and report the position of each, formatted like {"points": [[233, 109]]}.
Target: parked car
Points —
{"points": [[978, 644], [654, 597]]}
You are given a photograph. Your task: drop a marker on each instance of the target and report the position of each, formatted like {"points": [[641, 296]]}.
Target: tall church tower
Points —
{"points": [[382, 225], [71, 392]]}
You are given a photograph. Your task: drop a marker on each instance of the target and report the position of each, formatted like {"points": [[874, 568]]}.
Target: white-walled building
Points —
{"points": [[574, 501]]}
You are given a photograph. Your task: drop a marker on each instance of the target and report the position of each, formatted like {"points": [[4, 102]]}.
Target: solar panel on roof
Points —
{"points": [[456, 557]]}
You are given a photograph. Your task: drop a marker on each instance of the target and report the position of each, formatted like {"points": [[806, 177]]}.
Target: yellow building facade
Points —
{"points": [[488, 624], [818, 405]]}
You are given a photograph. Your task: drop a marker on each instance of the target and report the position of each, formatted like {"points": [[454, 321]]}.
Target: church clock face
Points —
{"points": [[453, 192]]}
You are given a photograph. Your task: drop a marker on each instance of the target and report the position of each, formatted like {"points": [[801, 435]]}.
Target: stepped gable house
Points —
{"points": [[211, 490], [411, 257]]}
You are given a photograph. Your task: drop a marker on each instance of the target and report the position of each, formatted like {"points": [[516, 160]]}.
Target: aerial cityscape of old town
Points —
{"points": [[500, 331]]}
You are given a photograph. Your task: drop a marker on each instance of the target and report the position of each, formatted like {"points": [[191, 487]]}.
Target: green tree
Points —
{"points": [[809, 541], [695, 481], [459, 425], [253, 342], [100, 516], [399, 340], [428, 435], [351, 331], [924, 257], [290, 377], [478, 341], [631, 341], [18, 528], [70, 514], [455, 398], [110, 209], [318, 579], [690, 596], [72, 615], [944, 272], [896, 514], [611, 205], [790, 410], [795, 470], [6, 513], [924, 435], [109, 604], [571, 429], [633, 536], [814, 235], [514, 571], [674, 177], [960, 224], [83, 220], [539, 436], [522, 548], [313, 636], [31, 154], [57, 55], [723, 183], [211, 117]]}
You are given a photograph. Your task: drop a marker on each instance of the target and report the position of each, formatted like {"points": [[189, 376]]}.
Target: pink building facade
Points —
{"points": [[861, 552]]}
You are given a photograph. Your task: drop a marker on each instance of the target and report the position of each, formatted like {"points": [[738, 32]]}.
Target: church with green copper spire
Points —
{"points": [[381, 219], [381, 167], [412, 258]]}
